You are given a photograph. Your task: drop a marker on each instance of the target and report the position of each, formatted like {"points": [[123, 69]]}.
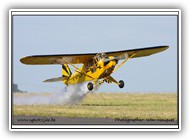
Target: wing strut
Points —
{"points": [[76, 68], [127, 59]]}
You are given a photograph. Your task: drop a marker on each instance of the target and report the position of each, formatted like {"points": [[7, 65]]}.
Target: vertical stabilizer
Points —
{"points": [[66, 72]]}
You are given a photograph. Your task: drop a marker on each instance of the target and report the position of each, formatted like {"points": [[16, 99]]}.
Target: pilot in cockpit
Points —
{"points": [[101, 55]]}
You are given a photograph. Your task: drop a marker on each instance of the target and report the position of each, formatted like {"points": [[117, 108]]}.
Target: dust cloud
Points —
{"points": [[72, 94]]}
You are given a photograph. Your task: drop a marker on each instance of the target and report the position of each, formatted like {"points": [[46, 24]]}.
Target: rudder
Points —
{"points": [[66, 72]]}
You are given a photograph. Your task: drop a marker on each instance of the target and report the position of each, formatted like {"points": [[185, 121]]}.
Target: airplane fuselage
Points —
{"points": [[97, 71], [96, 66]]}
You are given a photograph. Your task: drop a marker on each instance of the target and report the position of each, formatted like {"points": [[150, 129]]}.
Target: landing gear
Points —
{"points": [[90, 86], [121, 84]]}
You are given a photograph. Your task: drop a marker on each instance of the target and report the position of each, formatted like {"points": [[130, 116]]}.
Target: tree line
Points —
{"points": [[16, 88]]}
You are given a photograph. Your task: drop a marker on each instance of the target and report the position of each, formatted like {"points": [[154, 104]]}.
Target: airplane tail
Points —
{"points": [[66, 72]]}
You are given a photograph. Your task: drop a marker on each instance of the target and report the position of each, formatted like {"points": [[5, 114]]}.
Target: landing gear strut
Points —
{"points": [[90, 86], [121, 84]]}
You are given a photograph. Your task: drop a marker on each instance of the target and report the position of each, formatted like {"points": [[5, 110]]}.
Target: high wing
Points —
{"points": [[84, 58], [138, 52], [57, 59]]}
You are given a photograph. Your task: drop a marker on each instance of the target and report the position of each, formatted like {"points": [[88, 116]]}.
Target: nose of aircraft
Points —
{"points": [[112, 64]]}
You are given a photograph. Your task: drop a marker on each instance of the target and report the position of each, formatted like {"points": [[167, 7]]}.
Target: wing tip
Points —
{"points": [[164, 47], [22, 60]]}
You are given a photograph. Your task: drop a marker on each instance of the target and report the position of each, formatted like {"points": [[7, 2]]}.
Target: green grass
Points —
{"points": [[121, 105]]}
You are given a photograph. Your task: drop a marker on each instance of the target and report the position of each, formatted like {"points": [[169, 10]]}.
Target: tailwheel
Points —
{"points": [[121, 84], [90, 86]]}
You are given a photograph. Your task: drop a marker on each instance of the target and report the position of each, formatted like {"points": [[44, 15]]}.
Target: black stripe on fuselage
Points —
{"points": [[64, 68]]}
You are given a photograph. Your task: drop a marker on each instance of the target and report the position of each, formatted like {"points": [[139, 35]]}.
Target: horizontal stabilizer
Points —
{"points": [[58, 79]]}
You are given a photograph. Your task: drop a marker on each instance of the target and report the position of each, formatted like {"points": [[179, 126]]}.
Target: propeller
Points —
{"points": [[107, 60]]}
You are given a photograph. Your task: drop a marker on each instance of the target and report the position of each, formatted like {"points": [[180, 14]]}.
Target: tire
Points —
{"points": [[121, 83], [90, 86]]}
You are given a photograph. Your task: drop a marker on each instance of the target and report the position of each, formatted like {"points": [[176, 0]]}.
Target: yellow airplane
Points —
{"points": [[97, 67]]}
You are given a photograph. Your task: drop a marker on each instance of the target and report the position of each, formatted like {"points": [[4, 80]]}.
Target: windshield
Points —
{"points": [[100, 56]]}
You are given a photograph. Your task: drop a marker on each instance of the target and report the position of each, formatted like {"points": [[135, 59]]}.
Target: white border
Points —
{"points": [[94, 12], [179, 43], [76, 12], [10, 68]]}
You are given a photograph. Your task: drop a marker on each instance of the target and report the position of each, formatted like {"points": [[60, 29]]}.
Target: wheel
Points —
{"points": [[90, 86], [121, 84]]}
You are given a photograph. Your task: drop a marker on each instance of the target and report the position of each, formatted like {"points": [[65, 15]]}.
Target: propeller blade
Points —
{"points": [[107, 60]]}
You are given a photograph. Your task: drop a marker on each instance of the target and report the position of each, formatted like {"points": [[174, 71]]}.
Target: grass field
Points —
{"points": [[120, 105]]}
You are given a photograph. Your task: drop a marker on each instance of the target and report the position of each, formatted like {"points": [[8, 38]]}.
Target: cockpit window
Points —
{"points": [[91, 63], [99, 56]]}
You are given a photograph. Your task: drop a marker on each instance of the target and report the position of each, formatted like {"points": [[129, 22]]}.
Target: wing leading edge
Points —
{"points": [[138, 52], [84, 58]]}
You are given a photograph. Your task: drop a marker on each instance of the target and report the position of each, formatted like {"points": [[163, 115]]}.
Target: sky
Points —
{"points": [[42, 35]]}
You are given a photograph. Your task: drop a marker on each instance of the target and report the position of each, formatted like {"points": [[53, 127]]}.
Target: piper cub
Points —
{"points": [[97, 67]]}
